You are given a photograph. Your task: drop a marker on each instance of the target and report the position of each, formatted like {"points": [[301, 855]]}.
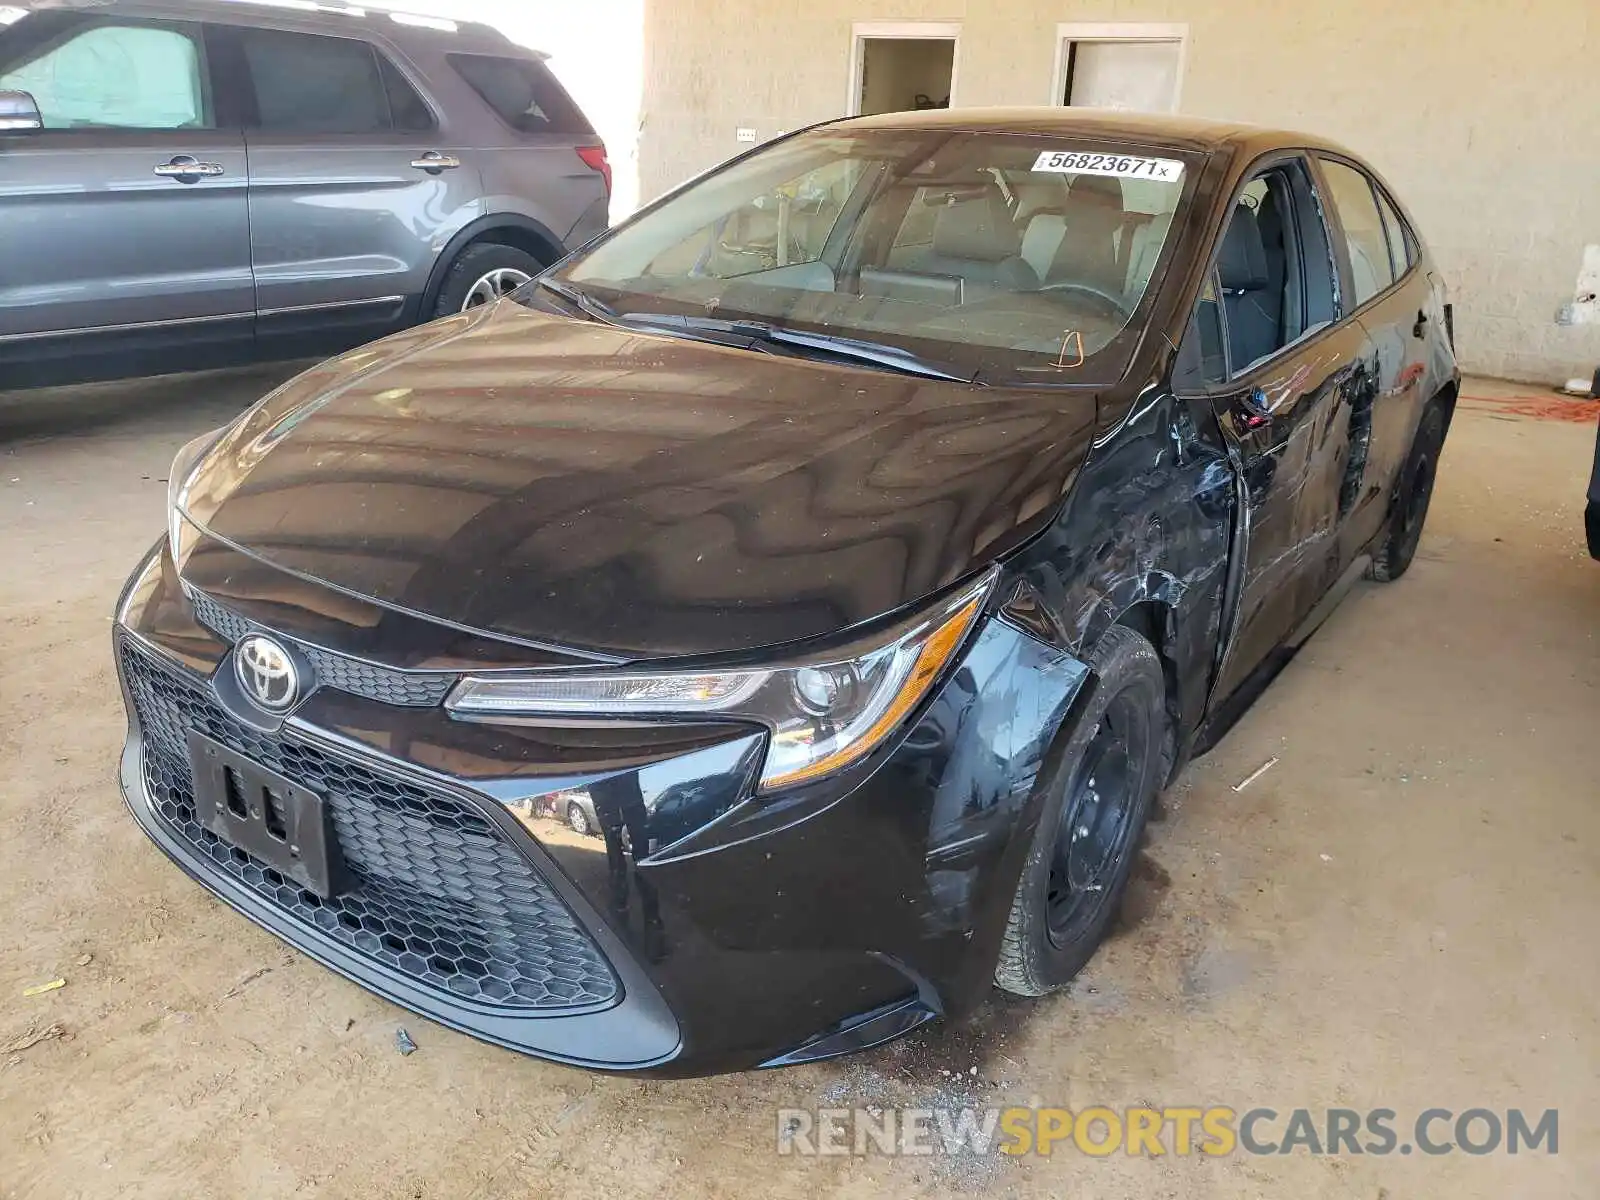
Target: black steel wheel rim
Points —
{"points": [[1417, 501], [1096, 836]]}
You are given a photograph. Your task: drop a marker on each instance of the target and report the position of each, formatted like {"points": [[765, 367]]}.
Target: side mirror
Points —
{"points": [[19, 113]]}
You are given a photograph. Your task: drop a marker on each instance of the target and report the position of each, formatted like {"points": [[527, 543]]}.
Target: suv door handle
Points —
{"points": [[433, 162], [1422, 321], [184, 168]]}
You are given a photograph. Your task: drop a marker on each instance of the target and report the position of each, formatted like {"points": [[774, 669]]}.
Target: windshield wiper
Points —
{"points": [[878, 354], [591, 307]]}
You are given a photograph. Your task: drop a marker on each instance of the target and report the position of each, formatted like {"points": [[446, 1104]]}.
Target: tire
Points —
{"points": [[1408, 511], [479, 270], [577, 819], [1064, 904]]}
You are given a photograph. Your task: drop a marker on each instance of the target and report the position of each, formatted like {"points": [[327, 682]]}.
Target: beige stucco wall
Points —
{"points": [[1484, 116]]}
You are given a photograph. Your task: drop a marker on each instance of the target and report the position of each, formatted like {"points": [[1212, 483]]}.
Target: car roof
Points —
{"points": [[1155, 129], [317, 16]]}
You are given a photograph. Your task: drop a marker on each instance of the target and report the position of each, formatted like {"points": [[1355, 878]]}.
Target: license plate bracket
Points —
{"points": [[273, 819]]}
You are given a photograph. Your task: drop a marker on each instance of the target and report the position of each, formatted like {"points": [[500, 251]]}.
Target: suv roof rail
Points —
{"points": [[11, 10]]}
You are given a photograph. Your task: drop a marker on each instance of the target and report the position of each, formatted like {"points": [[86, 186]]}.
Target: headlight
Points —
{"points": [[824, 711], [183, 468]]}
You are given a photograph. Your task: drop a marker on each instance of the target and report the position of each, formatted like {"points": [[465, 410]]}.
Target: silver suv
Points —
{"points": [[191, 183]]}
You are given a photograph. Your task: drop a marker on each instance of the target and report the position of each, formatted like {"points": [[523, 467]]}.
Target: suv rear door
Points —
{"points": [[355, 182], [551, 167], [123, 224]]}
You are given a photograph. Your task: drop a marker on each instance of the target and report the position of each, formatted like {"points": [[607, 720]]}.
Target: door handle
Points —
{"points": [[433, 162], [1421, 325], [184, 167]]}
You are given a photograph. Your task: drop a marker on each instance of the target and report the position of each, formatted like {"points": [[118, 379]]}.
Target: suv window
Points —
{"points": [[111, 75], [307, 83], [524, 92], [1357, 206]]}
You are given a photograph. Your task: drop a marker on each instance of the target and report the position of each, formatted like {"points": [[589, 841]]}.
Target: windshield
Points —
{"points": [[1006, 257]]}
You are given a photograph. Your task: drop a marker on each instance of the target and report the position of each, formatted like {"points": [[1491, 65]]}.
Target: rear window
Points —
{"points": [[524, 93]]}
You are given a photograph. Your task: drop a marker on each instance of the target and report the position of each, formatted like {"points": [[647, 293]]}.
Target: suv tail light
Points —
{"points": [[594, 157]]}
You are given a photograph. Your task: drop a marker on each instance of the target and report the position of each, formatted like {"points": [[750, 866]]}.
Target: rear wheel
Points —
{"points": [[483, 274], [1088, 838], [577, 819], [1409, 510]]}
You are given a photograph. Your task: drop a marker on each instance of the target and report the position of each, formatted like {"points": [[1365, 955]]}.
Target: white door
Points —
{"points": [[1139, 75]]}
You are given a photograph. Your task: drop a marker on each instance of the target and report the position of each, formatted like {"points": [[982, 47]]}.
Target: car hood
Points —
{"points": [[628, 494]]}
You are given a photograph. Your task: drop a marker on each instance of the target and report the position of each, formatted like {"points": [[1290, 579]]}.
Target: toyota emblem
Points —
{"points": [[266, 673]]}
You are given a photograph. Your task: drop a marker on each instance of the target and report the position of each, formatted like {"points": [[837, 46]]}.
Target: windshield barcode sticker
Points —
{"points": [[1129, 166]]}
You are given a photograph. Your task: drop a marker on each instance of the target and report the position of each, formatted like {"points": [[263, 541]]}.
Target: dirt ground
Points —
{"points": [[1401, 913]]}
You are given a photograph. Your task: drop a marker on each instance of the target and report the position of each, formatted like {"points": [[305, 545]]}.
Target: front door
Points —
{"points": [[1282, 369], [353, 185], [124, 219]]}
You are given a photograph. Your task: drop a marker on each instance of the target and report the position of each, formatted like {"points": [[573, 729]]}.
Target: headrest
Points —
{"points": [[1039, 199], [1242, 265], [979, 230], [1100, 191]]}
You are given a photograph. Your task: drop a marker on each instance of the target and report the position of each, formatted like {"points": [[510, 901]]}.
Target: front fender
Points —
{"points": [[1146, 530]]}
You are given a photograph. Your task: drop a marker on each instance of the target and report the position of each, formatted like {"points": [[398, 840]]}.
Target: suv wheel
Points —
{"points": [[1093, 823], [483, 274]]}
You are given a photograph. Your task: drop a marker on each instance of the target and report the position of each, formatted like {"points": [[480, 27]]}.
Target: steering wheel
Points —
{"points": [[1105, 299]]}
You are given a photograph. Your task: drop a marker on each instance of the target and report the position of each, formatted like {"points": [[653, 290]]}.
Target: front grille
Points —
{"points": [[408, 689], [436, 892]]}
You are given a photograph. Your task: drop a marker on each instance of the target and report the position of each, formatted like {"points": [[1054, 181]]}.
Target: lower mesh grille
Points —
{"points": [[436, 892]]}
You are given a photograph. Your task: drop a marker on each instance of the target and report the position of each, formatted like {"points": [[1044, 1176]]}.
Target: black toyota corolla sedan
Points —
{"points": [[866, 532]]}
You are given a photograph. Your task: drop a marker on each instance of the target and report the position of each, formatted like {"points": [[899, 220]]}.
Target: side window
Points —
{"points": [[306, 83], [1203, 358], [1353, 200], [409, 111], [524, 92], [1402, 250], [1273, 282], [107, 75], [1258, 271]]}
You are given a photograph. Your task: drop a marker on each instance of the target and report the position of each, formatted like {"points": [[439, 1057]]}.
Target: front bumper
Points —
{"points": [[703, 930]]}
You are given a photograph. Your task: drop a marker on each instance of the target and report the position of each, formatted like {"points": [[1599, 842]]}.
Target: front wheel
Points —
{"points": [[483, 274], [1094, 818], [1408, 511]]}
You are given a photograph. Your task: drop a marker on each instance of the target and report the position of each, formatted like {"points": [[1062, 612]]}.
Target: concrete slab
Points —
{"points": [[1399, 914]]}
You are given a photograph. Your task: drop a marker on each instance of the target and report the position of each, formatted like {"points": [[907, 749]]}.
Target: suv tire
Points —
{"points": [[481, 274]]}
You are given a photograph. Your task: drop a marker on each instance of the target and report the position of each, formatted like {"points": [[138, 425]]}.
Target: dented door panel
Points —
{"points": [[1397, 331], [1287, 424]]}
